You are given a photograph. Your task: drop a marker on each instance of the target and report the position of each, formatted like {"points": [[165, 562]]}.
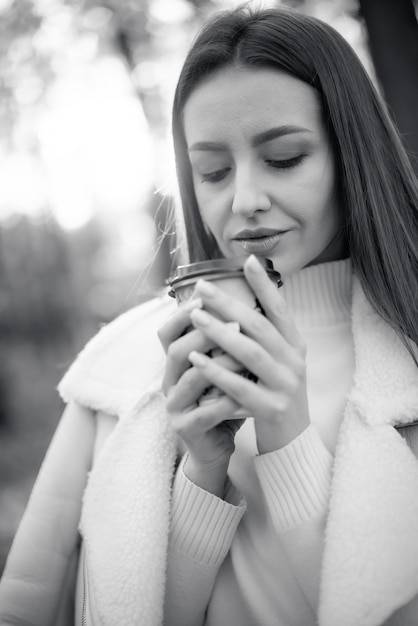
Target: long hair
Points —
{"points": [[377, 187]]}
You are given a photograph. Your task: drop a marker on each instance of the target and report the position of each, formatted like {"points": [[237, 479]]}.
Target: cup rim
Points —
{"points": [[216, 268]]}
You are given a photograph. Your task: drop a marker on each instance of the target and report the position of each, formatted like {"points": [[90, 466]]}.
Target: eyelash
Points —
{"points": [[215, 177], [287, 163]]}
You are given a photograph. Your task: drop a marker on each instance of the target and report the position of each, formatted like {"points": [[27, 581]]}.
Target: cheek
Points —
{"points": [[323, 191], [314, 201], [211, 221], [211, 211], [327, 178]]}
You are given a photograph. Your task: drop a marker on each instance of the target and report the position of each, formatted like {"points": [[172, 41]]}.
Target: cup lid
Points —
{"points": [[234, 265]]}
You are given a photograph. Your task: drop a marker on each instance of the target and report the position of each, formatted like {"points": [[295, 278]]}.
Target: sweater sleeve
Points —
{"points": [[296, 480], [296, 485], [202, 529]]}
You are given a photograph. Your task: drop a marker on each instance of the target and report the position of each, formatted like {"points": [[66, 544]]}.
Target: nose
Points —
{"points": [[250, 195]]}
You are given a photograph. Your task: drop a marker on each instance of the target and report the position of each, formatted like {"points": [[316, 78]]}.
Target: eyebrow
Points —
{"points": [[257, 140]]}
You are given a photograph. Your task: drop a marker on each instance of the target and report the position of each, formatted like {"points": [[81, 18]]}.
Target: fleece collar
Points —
{"points": [[370, 564]]}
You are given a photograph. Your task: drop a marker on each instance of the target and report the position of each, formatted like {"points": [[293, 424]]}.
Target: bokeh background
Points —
{"points": [[87, 179]]}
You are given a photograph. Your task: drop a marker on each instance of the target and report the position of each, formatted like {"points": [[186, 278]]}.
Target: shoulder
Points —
{"points": [[386, 376], [122, 362]]}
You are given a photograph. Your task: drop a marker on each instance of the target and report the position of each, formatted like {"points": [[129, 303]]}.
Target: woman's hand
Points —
{"points": [[270, 347], [207, 429]]}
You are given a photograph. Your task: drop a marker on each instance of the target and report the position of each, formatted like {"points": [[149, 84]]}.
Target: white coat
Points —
{"points": [[370, 563]]}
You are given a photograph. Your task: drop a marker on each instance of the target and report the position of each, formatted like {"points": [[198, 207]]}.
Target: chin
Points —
{"points": [[286, 269]]}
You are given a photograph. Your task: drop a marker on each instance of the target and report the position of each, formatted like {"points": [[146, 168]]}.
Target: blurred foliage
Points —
{"points": [[36, 279], [35, 36]]}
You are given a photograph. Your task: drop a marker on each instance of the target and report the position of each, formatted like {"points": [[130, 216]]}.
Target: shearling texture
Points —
{"points": [[370, 564], [125, 517], [122, 363]]}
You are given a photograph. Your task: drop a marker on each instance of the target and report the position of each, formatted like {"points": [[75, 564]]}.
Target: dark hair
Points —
{"points": [[376, 184]]}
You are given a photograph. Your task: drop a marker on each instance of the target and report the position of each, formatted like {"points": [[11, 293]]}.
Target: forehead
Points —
{"points": [[248, 101]]}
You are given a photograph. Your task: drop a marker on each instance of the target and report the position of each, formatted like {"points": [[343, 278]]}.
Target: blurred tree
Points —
{"points": [[34, 283], [393, 39], [43, 287], [21, 69]]}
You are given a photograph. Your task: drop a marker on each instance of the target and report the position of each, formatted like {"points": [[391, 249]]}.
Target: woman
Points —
{"points": [[305, 513]]}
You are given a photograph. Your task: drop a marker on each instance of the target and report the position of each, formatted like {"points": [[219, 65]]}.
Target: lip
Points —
{"points": [[259, 241]]}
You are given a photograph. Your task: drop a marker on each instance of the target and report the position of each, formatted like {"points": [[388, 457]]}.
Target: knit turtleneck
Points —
{"points": [[320, 295], [319, 299]]}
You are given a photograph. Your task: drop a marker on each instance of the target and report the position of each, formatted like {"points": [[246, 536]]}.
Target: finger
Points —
{"points": [[177, 355], [252, 356], [245, 393], [272, 301], [178, 323], [192, 386], [200, 420], [251, 322], [184, 395]]}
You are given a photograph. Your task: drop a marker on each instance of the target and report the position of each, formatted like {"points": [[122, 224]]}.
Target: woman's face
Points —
{"points": [[263, 168]]}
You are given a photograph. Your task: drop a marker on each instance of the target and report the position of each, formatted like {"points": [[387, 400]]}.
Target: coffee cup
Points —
{"points": [[228, 274]]}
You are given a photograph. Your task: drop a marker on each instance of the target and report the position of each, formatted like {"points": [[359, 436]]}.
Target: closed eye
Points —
{"points": [[286, 163], [218, 175], [215, 177]]}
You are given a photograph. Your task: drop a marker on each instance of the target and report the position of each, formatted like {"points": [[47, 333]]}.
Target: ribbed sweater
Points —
{"points": [[254, 557]]}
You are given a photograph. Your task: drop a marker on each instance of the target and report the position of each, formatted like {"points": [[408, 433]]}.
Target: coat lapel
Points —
{"points": [[370, 565], [125, 518]]}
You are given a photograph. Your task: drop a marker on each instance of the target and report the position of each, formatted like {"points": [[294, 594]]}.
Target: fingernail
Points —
{"points": [[253, 264], [196, 303], [198, 359], [201, 318], [205, 288]]}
